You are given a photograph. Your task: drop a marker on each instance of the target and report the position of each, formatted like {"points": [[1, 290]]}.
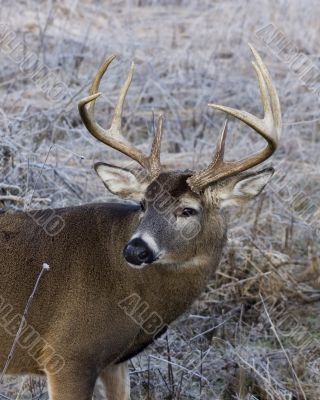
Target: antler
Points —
{"points": [[113, 136], [269, 127]]}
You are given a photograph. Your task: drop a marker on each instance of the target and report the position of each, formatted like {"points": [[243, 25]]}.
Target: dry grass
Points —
{"points": [[254, 334]]}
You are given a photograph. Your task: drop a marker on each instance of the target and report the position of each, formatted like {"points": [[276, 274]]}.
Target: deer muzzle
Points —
{"points": [[137, 252]]}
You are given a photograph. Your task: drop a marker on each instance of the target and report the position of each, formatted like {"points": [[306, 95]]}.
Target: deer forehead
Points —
{"points": [[173, 184]]}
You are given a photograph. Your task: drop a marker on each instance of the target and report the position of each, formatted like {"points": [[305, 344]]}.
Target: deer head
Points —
{"points": [[180, 211]]}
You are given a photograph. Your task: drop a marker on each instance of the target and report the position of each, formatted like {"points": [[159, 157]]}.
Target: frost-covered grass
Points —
{"points": [[255, 330]]}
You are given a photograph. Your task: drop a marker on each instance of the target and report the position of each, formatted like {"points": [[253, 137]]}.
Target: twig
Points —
{"points": [[45, 267], [232, 284], [21, 388], [8, 197], [273, 328], [212, 328]]}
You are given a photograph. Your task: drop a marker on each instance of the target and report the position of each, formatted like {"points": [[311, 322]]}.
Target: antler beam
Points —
{"points": [[113, 136], [269, 127]]}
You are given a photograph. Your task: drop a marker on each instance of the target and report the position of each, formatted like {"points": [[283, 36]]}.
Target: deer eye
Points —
{"points": [[188, 212], [143, 205]]}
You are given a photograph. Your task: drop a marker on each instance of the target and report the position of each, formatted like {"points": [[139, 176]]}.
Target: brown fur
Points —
{"points": [[76, 307]]}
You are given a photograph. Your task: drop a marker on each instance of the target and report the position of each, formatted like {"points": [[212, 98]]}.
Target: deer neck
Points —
{"points": [[166, 291]]}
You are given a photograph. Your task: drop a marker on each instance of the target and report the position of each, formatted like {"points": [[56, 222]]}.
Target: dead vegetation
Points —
{"points": [[254, 334]]}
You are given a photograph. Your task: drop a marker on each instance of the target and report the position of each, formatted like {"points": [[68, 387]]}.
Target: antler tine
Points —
{"points": [[219, 153], [155, 165], [113, 136], [96, 81], [269, 127], [275, 103]]}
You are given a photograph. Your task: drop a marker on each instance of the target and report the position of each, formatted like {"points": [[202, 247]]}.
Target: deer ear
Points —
{"points": [[120, 181], [240, 189]]}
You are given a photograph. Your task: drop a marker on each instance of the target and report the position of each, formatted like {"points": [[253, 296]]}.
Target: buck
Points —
{"points": [[80, 326]]}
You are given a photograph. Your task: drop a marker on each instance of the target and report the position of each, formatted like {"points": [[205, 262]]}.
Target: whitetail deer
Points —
{"points": [[109, 255]]}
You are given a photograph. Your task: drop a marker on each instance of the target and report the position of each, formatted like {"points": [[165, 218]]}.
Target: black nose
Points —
{"points": [[137, 252]]}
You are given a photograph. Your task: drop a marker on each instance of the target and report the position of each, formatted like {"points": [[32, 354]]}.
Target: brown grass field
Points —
{"points": [[255, 332]]}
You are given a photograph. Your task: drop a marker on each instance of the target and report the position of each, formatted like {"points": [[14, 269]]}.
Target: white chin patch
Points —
{"points": [[134, 266]]}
